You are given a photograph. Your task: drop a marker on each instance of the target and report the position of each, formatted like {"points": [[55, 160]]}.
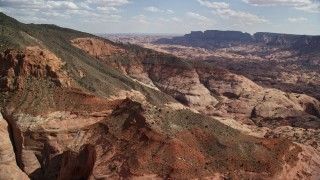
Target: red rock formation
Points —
{"points": [[31, 62], [97, 48]]}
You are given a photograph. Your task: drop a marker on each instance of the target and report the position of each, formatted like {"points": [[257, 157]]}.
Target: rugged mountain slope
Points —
{"points": [[113, 115], [48, 136]]}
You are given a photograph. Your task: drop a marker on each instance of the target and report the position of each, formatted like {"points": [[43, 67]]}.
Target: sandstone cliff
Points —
{"points": [[8, 166]]}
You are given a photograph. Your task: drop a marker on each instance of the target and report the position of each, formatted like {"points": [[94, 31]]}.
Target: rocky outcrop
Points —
{"points": [[31, 62], [97, 48], [183, 84], [8, 166], [311, 140]]}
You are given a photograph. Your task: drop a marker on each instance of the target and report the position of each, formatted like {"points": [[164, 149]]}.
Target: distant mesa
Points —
{"points": [[220, 35], [219, 39]]}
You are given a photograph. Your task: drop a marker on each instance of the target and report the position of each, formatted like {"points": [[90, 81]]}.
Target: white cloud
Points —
{"points": [[84, 5], [108, 9], [153, 9], [103, 19], [20, 13], [217, 5], [92, 17], [55, 14], [157, 10], [108, 2], [312, 8], [140, 19], [62, 9], [61, 5], [82, 13], [38, 4], [176, 19], [113, 18], [169, 11], [297, 20], [20, 3], [198, 17], [244, 17], [164, 20], [277, 2]]}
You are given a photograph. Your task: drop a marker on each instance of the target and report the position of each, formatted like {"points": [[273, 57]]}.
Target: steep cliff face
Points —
{"points": [[41, 139], [8, 165]]}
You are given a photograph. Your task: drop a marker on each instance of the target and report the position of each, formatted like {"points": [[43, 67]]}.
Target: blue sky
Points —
{"points": [[170, 16]]}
